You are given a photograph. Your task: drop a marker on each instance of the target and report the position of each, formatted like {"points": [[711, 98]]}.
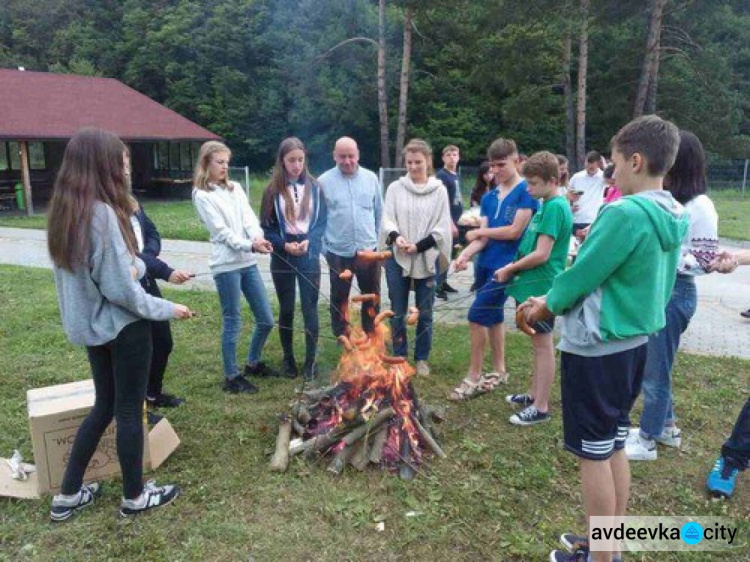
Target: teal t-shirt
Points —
{"points": [[554, 219]]}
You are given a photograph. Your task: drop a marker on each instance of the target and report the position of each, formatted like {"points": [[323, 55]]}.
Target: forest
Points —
{"points": [[558, 75]]}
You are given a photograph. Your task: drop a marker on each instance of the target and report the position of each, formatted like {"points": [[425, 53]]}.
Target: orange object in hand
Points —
{"points": [[369, 255], [366, 297]]}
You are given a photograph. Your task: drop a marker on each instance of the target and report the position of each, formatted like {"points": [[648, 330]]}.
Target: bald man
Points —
{"points": [[355, 206]]}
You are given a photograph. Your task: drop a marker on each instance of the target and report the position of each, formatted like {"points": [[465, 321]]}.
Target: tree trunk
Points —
{"points": [[385, 161], [404, 89], [583, 61], [570, 112], [650, 66]]}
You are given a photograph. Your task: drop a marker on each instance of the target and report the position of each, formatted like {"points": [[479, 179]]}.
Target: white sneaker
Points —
{"points": [[639, 449], [423, 368], [671, 437]]}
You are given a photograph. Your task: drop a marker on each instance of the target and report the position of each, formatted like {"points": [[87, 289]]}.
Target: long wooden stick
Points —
{"points": [[280, 459], [431, 443]]}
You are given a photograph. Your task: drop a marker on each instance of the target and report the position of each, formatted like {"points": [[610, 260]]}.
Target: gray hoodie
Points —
{"points": [[97, 301]]}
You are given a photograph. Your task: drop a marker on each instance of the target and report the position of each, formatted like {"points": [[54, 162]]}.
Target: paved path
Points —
{"points": [[716, 329]]}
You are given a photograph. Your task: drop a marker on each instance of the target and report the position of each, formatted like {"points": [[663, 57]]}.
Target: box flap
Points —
{"points": [[51, 400], [162, 441], [24, 489]]}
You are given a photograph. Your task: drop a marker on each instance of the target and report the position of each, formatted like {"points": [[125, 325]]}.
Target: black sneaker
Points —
{"points": [[63, 508], [519, 399], [441, 295], [289, 368], [239, 384], [448, 289], [163, 400], [151, 497], [579, 555], [574, 542], [745, 313], [260, 370], [529, 416]]}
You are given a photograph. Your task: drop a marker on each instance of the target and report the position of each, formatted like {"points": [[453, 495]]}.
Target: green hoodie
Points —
{"points": [[615, 294]]}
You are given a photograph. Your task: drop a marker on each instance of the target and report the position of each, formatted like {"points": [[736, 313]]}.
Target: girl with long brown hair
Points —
{"points": [[103, 307], [236, 236], [294, 217]]}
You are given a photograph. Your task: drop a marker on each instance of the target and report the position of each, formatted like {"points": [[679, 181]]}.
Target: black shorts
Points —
{"points": [[597, 396]]}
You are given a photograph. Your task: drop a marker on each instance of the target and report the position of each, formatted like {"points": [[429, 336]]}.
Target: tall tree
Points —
{"points": [[385, 161], [403, 96], [645, 98], [570, 114], [583, 62]]}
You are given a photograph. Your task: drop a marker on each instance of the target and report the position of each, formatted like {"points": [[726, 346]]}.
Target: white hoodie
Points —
{"points": [[231, 224], [415, 213]]}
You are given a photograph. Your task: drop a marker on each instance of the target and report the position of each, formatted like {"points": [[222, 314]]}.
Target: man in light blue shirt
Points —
{"points": [[355, 206]]}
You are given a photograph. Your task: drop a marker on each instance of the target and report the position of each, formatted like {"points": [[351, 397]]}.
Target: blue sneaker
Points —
{"points": [[720, 481]]}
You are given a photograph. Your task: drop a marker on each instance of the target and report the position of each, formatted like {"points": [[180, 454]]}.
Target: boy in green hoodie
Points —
{"points": [[610, 300]]}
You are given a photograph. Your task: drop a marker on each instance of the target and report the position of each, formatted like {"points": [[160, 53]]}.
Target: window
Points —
{"points": [[3, 156], [15, 156], [36, 156], [186, 160], [163, 156]]}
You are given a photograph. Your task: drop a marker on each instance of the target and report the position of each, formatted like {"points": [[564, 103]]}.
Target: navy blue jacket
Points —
{"points": [[155, 268], [274, 226]]}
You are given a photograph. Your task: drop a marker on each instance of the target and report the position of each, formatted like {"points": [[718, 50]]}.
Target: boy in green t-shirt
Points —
{"points": [[541, 257], [610, 300]]}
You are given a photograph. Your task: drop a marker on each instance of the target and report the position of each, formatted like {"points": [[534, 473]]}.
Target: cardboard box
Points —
{"points": [[55, 413]]}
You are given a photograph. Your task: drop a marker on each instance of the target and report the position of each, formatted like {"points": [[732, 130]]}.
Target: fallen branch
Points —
{"points": [[280, 459], [431, 443]]}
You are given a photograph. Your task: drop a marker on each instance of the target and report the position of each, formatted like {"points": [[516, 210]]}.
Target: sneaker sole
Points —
{"points": [[568, 545], [142, 511], [516, 421], [64, 517], [641, 457]]}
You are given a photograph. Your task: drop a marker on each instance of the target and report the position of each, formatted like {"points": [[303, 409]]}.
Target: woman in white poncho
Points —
{"points": [[417, 225]]}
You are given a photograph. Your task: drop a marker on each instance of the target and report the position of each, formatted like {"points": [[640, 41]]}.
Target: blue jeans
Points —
{"points": [[658, 410], [398, 291], [230, 286]]}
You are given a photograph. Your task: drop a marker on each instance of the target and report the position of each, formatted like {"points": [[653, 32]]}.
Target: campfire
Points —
{"points": [[369, 415]]}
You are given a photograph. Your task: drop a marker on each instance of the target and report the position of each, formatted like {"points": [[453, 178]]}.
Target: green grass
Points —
{"points": [[734, 214], [503, 493]]}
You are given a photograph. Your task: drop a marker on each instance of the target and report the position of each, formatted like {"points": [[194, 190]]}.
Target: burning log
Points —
{"points": [[431, 443], [359, 458], [378, 442], [371, 415], [280, 459]]}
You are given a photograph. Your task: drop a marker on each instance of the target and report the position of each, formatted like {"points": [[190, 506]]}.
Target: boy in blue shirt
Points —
{"points": [[505, 213]]}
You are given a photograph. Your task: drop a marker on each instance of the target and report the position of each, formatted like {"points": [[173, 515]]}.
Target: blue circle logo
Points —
{"points": [[691, 533]]}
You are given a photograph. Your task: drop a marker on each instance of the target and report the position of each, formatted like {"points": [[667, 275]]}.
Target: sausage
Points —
{"points": [[359, 341], [392, 360], [346, 343], [366, 297], [382, 316], [522, 324], [345, 275], [413, 316], [369, 255]]}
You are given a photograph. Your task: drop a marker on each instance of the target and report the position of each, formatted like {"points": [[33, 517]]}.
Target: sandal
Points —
{"points": [[490, 381], [466, 390]]}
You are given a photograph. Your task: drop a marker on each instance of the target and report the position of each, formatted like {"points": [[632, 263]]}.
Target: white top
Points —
{"points": [[138, 232], [587, 207], [701, 241], [231, 224], [297, 193]]}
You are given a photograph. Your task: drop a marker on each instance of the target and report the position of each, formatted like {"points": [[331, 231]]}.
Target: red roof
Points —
{"points": [[41, 105]]}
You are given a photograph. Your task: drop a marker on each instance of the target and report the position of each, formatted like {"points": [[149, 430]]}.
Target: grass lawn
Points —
{"points": [[733, 209], [503, 493]]}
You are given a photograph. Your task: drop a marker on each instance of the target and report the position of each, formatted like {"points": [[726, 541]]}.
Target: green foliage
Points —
{"points": [[256, 71]]}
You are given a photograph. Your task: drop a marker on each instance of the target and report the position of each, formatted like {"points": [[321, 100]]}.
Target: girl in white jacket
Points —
{"points": [[236, 234]]}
